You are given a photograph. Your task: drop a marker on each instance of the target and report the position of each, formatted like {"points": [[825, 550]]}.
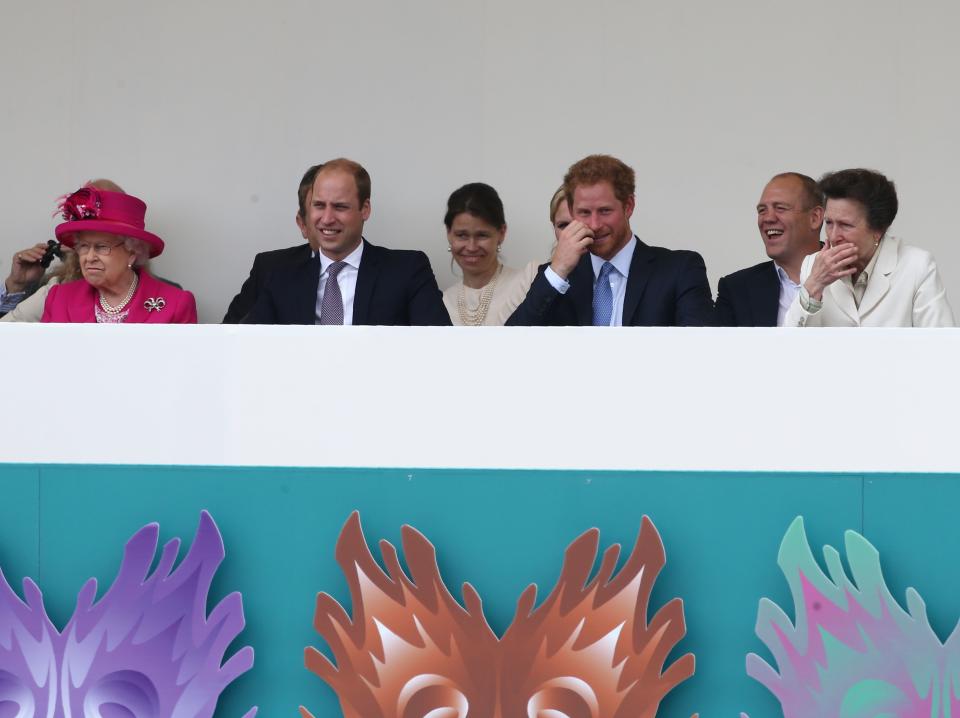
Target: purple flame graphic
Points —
{"points": [[853, 651], [147, 649]]}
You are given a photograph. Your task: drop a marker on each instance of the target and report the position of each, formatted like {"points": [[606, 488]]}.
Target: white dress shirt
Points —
{"points": [[617, 278], [788, 292], [347, 279], [859, 288]]}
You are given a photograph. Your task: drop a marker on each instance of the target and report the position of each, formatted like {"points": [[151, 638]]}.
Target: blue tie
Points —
{"points": [[603, 297]]}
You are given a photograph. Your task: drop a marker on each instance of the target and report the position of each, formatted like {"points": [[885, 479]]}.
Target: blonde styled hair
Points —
{"points": [[559, 196], [104, 184]]}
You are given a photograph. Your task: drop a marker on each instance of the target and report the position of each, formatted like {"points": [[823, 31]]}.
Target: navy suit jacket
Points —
{"points": [[395, 287], [749, 297], [263, 266], [664, 288]]}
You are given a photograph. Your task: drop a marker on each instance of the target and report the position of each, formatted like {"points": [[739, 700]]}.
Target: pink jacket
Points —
{"points": [[74, 302]]}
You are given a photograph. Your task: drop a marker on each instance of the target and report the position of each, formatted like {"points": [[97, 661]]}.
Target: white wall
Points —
{"points": [[687, 399], [212, 110]]}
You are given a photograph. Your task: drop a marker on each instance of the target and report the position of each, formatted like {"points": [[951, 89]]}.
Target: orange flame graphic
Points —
{"points": [[412, 651]]}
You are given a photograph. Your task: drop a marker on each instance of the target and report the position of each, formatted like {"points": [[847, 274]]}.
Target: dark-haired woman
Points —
{"points": [[476, 228], [864, 277]]}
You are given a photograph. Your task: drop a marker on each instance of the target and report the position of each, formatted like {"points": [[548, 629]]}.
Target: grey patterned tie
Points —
{"points": [[331, 307]]}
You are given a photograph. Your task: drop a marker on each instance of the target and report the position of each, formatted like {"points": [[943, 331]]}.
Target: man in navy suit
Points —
{"points": [[263, 265], [601, 274], [339, 277], [265, 262], [789, 216]]}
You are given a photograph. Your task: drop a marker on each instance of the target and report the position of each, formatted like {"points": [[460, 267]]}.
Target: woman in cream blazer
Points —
{"points": [[864, 277]]}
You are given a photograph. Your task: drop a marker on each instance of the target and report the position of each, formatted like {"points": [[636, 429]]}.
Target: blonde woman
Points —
{"points": [[27, 272], [559, 212]]}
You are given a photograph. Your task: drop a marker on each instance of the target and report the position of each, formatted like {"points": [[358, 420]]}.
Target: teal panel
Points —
{"points": [[268, 521], [912, 520], [19, 523], [500, 530]]}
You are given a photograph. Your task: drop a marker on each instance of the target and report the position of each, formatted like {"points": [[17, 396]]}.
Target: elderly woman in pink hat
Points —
{"points": [[106, 230]]}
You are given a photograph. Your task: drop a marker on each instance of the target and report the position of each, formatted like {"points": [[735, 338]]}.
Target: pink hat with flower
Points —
{"points": [[90, 209]]}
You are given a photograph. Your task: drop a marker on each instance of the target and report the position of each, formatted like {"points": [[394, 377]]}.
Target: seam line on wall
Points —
{"points": [[39, 523], [863, 504]]}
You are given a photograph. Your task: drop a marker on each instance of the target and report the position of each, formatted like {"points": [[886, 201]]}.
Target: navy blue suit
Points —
{"points": [[263, 266], [395, 287], [664, 288], [749, 297]]}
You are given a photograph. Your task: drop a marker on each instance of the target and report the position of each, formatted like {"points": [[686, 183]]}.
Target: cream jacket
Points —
{"points": [[904, 291], [31, 308]]}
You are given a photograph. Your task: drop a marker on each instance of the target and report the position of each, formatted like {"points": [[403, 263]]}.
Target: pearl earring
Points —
{"points": [[450, 249]]}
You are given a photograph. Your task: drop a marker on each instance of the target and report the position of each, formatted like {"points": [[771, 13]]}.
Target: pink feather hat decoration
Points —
{"points": [[95, 210]]}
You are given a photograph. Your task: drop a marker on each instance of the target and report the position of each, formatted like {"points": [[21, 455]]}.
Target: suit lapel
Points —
{"points": [[843, 297], [84, 310], [879, 284], [366, 280], [641, 268], [581, 291], [765, 296]]}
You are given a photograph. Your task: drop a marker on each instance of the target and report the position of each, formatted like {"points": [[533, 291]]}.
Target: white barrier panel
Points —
{"points": [[576, 398]]}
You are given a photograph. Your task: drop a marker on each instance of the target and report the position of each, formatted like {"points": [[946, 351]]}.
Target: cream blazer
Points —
{"points": [[904, 291], [31, 308]]}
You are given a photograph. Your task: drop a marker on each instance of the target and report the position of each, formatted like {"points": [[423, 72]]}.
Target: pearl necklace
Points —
{"points": [[113, 311], [475, 317]]}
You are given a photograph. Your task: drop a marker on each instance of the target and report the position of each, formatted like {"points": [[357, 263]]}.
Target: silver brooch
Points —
{"points": [[154, 304]]}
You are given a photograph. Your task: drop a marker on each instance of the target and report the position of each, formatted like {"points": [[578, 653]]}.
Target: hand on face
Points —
{"points": [[574, 241], [25, 268], [846, 224], [831, 263], [561, 220], [605, 216]]}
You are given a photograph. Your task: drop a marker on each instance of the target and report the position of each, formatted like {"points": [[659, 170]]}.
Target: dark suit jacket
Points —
{"points": [[749, 297], [263, 266], [395, 287], [664, 288]]}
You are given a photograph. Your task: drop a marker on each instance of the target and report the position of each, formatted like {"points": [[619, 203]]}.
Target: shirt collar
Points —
{"points": [[784, 277], [868, 270], [621, 260], [352, 259]]}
